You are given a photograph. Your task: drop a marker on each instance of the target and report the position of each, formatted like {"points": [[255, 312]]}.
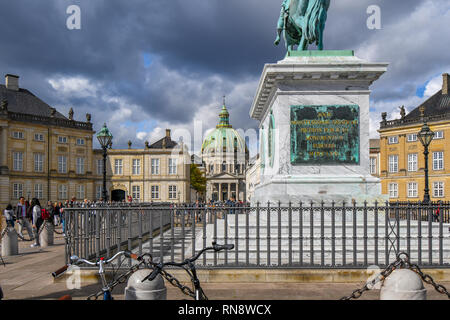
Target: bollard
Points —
{"points": [[46, 236], [10, 245], [147, 290], [403, 284]]}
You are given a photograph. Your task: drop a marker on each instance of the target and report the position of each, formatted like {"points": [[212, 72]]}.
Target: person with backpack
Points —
{"points": [[36, 220], [9, 216]]}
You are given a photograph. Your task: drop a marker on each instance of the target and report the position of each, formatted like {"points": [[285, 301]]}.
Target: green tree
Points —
{"points": [[198, 181]]}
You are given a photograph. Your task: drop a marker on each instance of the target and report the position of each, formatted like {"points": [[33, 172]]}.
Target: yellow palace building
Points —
{"points": [[402, 162]]}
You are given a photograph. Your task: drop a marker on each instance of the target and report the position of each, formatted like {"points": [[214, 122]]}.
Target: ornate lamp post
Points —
{"points": [[426, 136], [105, 139]]}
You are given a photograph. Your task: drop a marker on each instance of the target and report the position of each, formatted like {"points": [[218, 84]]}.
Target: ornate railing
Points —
{"points": [[23, 117]]}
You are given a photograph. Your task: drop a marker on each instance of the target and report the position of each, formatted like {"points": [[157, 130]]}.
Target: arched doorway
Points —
{"points": [[117, 195]]}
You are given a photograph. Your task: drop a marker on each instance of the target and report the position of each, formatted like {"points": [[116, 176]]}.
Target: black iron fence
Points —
{"points": [[305, 235]]}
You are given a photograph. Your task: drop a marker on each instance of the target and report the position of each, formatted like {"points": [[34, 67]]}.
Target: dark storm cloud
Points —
{"points": [[199, 50]]}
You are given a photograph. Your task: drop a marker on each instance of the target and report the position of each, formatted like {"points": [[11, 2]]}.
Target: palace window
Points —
{"points": [[18, 135], [439, 135], [224, 166], [393, 190], [38, 137], [393, 140], [118, 166], [18, 161], [62, 164], [412, 137], [438, 160], [62, 139], [100, 167], [412, 162], [172, 166], [136, 166], [62, 192], [99, 191], [17, 190], [155, 166], [38, 191], [393, 163], [155, 192], [373, 165], [438, 189], [136, 192], [80, 165], [80, 142], [38, 162], [80, 192], [172, 192], [412, 190]]}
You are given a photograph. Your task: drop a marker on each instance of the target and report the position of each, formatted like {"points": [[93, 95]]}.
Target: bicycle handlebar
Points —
{"points": [[60, 271]]}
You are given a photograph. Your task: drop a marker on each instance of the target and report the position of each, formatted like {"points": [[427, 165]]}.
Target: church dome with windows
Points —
{"points": [[223, 139]]}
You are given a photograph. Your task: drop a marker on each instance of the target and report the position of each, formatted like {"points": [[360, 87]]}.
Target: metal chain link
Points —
{"points": [[174, 282], [402, 263]]}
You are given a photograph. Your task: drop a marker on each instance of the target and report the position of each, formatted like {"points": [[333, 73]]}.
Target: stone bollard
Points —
{"points": [[46, 236], [147, 290], [10, 244], [403, 284]]}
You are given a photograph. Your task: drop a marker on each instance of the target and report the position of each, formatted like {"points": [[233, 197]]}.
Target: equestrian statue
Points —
{"points": [[302, 23]]}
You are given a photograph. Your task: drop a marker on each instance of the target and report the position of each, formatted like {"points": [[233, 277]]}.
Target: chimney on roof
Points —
{"points": [[168, 133], [445, 84], [12, 82]]}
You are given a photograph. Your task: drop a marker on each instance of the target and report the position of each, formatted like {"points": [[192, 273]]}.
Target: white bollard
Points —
{"points": [[46, 236], [10, 244], [403, 284], [147, 290]]}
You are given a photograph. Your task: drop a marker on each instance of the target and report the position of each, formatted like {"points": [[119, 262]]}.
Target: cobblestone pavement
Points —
{"points": [[28, 276]]}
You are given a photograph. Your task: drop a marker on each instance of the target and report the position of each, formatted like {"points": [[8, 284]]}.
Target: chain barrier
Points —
{"points": [[400, 263], [4, 232], [174, 282]]}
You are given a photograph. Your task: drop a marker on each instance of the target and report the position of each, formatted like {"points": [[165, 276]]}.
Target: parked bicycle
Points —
{"points": [[145, 260]]}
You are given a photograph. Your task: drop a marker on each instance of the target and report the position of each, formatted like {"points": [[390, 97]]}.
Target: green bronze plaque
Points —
{"points": [[327, 134]]}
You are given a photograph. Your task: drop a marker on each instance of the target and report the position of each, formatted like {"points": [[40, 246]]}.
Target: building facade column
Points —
{"points": [[220, 192], [229, 191]]}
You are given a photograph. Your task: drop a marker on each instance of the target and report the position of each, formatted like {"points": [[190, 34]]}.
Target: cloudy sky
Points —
{"points": [[146, 65]]}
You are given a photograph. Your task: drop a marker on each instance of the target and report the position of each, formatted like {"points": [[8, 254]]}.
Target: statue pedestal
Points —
{"points": [[313, 109]]}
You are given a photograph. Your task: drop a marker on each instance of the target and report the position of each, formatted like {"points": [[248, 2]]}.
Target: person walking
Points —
{"points": [[23, 218], [36, 220], [9, 216]]}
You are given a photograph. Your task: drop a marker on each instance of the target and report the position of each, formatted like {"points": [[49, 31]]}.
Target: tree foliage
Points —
{"points": [[198, 181]]}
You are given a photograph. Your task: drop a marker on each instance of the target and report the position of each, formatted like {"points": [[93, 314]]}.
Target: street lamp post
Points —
{"points": [[105, 139], [426, 136]]}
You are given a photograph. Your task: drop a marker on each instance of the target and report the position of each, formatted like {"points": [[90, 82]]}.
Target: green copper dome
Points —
{"points": [[224, 138]]}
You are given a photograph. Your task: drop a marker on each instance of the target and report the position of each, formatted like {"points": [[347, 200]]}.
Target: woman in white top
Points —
{"points": [[36, 220], [9, 216]]}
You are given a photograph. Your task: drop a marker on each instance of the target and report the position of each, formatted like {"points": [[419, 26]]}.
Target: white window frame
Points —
{"points": [[393, 190], [62, 192], [62, 139], [393, 140], [80, 166], [38, 191], [17, 190], [172, 166], [62, 164], [38, 162], [412, 137], [80, 142], [18, 161], [413, 189], [39, 137], [393, 165], [154, 192], [118, 166], [136, 192], [438, 161], [439, 134], [413, 162], [18, 135], [173, 192], [99, 167], [136, 166], [438, 189], [81, 191], [373, 165], [155, 166]]}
